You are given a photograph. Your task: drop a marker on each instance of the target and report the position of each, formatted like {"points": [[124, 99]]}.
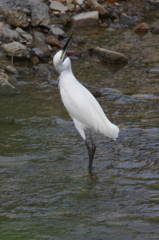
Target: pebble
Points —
{"points": [[80, 40]]}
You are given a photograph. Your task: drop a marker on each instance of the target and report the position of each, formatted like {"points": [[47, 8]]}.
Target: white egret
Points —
{"points": [[82, 106]]}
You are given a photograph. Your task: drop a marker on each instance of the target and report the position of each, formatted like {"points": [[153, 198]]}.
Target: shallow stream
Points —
{"points": [[45, 187]]}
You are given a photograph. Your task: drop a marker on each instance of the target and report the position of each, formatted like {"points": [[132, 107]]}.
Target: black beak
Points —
{"points": [[66, 44]]}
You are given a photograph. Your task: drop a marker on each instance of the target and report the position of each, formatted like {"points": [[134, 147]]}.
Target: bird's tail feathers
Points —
{"points": [[109, 130]]}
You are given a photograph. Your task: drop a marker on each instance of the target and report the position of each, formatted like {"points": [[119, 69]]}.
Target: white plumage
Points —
{"points": [[81, 104]]}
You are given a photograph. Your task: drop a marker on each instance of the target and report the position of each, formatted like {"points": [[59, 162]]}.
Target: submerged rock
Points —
{"points": [[108, 56], [127, 20], [80, 40], [111, 93], [5, 86], [145, 96]]}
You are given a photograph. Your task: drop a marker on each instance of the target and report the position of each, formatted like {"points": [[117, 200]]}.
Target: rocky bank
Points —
{"points": [[33, 30]]}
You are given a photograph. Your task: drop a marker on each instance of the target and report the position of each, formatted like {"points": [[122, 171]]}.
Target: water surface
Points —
{"points": [[46, 189]]}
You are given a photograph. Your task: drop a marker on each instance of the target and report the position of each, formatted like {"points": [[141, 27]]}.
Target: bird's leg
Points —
{"points": [[91, 151]]}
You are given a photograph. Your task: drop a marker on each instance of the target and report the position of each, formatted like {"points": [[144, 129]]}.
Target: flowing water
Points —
{"points": [[46, 191]]}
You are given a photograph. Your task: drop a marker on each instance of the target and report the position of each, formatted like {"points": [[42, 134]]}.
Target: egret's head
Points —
{"points": [[59, 57]]}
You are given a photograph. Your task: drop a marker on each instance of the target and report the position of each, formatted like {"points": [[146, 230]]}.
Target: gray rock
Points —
{"points": [[39, 43], [57, 31], [87, 19], [28, 37], [38, 34], [145, 96], [108, 56], [5, 86], [8, 35], [54, 5], [63, 19], [71, 7], [40, 15], [125, 99], [43, 70], [38, 52], [16, 49], [7, 5], [126, 20], [11, 69], [80, 40], [111, 93]]}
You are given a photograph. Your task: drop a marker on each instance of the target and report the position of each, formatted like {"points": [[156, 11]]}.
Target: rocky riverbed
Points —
{"points": [[32, 31]]}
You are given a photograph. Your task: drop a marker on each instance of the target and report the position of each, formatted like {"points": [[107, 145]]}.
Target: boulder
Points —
{"points": [[108, 56], [40, 15], [5, 86], [87, 19]]}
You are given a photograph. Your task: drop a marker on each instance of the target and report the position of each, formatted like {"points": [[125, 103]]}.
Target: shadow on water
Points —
{"points": [[46, 190]]}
